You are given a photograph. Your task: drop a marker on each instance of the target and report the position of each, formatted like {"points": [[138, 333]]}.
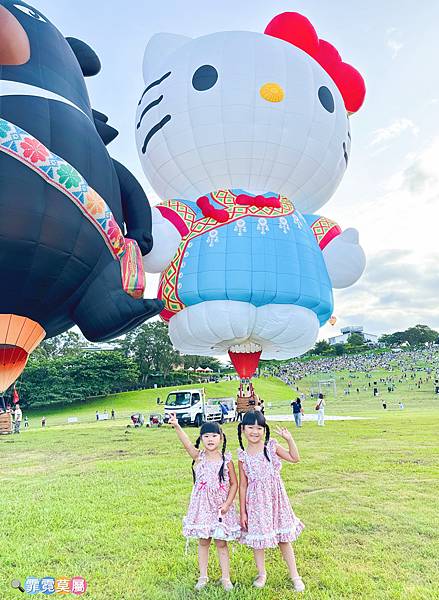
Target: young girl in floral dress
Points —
{"points": [[211, 513], [267, 518]]}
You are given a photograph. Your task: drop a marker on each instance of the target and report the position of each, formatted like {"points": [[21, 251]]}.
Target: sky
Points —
{"points": [[390, 192]]}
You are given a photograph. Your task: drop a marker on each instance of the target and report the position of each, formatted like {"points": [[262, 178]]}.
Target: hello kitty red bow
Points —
{"points": [[297, 30]]}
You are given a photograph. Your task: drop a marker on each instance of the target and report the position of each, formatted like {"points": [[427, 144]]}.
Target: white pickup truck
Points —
{"points": [[191, 407]]}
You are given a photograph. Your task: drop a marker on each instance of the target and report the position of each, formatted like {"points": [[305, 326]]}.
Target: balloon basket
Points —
{"points": [[5, 423], [247, 399]]}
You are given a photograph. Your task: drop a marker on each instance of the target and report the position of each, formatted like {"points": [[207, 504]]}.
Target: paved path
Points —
{"points": [[312, 417]]}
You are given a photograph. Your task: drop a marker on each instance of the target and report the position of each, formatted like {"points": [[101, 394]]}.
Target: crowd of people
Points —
{"points": [[408, 362]]}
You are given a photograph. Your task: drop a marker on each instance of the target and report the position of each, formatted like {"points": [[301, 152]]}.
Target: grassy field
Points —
{"points": [[94, 500]]}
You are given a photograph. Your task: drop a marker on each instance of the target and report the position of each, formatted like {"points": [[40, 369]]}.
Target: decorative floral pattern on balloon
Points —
{"points": [[240, 227], [68, 176], [56, 171], [283, 224], [4, 128], [34, 150], [22, 146], [95, 205], [115, 234]]}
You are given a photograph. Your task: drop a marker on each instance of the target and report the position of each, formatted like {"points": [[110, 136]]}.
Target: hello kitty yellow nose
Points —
{"points": [[272, 92]]}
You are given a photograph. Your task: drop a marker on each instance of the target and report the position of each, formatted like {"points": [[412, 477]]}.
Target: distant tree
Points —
{"points": [[204, 362], [356, 339], [150, 347], [322, 347], [339, 349], [420, 334], [67, 343], [415, 336], [48, 380]]}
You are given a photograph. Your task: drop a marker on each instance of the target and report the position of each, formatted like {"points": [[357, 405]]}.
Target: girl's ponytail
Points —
{"points": [[223, 451], [240, 436], [197, 445], [267, 437]]}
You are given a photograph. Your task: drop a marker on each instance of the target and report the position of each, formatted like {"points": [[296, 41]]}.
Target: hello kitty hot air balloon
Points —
{"points": [[245, 136]]}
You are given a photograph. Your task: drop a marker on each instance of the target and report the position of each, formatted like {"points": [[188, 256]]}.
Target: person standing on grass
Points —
{"points": [[43, 422], [211, 513], [113, 414], [296, 405], [26, 423], [267, 519], [320, 408], [18, 415]]}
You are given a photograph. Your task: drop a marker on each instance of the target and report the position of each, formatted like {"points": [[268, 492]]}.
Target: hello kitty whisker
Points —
{"points": [[154, 130], [153, 84], [147, 108], [345, 154]]}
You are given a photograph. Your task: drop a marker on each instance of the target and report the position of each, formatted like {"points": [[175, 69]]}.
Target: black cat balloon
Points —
{"points": [[64, 202]]}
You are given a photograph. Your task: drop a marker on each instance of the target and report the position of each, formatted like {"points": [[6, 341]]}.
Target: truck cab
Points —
{"points": [[191, 407]]}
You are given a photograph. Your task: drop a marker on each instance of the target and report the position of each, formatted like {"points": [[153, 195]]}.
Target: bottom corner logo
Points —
{"points": [[51, 585]]}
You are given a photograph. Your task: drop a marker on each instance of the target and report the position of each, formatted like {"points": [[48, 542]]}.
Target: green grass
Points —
{"points": [[90, 499]]}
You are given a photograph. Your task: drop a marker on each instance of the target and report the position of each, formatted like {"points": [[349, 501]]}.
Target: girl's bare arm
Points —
{"points": [[233, 488], [243, 484], [188, 445]]}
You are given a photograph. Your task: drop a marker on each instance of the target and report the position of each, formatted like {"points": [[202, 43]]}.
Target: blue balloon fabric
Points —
{"points": [[257, 260]]}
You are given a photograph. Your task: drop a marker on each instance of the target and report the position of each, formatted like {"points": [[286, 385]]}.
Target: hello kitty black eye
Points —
{"points": [[204, 78], [30, 12], [326, 99]]}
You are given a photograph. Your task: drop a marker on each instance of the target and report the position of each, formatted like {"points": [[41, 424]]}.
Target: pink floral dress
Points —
{"points": [[208, 494], [270, 517]]}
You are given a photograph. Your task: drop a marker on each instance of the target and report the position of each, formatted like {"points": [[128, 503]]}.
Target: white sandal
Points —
{"points": [[227, 584], [201, 583], [260, 580], [298, 584]]}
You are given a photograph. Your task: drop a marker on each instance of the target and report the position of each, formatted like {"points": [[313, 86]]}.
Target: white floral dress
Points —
{"points": [[270, 517], [208, 495]]}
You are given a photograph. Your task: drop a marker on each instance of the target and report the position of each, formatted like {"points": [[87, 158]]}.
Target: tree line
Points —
{"points": [[413, 337]]}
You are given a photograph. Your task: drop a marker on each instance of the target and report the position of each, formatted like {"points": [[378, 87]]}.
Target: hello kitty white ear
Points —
{"points": [[159, 47]]}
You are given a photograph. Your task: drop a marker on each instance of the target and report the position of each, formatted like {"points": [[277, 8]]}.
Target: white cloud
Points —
{"points": [[394, 41], [395, 129], [397, 291], [394, 47], [400, 287]]}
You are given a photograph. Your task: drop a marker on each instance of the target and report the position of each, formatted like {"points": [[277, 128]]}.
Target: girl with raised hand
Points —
{"points": [[267, 519], [211, 513]]}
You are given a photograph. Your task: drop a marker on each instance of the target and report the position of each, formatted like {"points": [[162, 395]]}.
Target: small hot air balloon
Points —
{"points": [[19, 336], [333, 320]]}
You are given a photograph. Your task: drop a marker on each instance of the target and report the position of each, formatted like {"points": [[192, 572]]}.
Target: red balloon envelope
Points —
{"points": [[327, 55], [296, 29], [245, 363]]}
